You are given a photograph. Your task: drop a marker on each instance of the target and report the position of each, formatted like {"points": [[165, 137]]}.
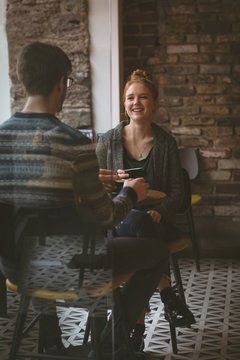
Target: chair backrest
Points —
{"points": [[189, 161]]}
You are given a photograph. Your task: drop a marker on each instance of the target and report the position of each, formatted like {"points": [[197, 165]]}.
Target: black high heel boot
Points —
{"points": [[138, 337], [176, 311]]}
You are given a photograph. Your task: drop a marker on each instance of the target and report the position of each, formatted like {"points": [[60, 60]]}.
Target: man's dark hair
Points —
{"points": [[40, 66]]}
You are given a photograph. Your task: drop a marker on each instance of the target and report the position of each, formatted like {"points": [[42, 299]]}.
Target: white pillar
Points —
{"points": [[104, 60], [5, 105]]}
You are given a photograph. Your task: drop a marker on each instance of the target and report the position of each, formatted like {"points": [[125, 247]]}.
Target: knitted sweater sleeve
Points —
{"points": [[93, 202]]}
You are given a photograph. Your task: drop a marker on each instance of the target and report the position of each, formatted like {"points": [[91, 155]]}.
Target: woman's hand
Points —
{"points": [[155, 215], [107, 178]]}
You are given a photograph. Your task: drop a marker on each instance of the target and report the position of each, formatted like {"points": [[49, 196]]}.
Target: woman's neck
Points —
{"points": [[138, 131]]}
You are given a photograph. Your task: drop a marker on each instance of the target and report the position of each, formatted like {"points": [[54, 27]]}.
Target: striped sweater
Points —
{"points": [[46, 163]]}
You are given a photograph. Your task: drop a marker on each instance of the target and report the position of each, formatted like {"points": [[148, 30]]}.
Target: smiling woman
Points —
{"points": [[139, 143]]}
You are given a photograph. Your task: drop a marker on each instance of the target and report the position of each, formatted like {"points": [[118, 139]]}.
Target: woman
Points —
{"points": [[138, 142]]}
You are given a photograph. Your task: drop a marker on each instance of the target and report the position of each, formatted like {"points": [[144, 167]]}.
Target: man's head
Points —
{"points": [[41, 66]]}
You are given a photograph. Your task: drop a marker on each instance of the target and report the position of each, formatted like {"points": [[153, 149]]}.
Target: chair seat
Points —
{"points": [[178, 245], [196, 199], [110, 285], [46, 294]]}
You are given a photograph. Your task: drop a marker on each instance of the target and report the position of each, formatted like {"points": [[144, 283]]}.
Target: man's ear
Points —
{"points": [[62, 83]]}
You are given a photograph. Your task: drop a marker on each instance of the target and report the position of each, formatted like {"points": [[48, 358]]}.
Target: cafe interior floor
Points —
{"points": [[213, 295]]}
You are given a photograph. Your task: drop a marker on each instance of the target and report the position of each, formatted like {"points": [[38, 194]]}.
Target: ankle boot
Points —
{"points": [[176, 311]]}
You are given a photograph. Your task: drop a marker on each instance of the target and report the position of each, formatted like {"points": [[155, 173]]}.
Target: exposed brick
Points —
{"points": [[170, 38], [202, 79], [231, 142], [199, 100], [202, 189], [197, 120], [206, 163], [229, 188], [216, 8], [236, 175], [171, 101], [228, 99], [179, 9], [211, 89], [214, 27], [236, 68], [194, 110], [236, 153], [236, 110], [214, 131], [186, 131], [171, 80], [203, 211], [229, 164], [217, 110], [216, 153], [199, 39], [194, 58], [215, 69], [227, 121], [179, 91], [182, 49], [194, 141], [214, 199], [227, 210], [215, 48], [228, 38], [181, 69], [215, 175]]}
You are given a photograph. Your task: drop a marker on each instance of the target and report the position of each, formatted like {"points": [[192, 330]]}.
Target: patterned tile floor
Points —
{"points": [[213, 295]]}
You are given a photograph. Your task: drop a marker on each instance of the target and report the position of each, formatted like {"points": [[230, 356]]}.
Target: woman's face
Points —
{"points": [[139, 103]]}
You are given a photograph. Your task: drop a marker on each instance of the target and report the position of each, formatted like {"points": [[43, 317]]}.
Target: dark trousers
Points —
{"points": [[145, 254]]}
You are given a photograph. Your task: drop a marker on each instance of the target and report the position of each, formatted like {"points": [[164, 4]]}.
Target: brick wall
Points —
{"points": [[63, 23], [196, 62]]}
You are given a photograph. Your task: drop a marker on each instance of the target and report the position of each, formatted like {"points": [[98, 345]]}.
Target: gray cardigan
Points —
{"points": [[165, 174]]}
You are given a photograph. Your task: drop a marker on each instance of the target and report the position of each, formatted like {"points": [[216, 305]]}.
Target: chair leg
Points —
{"points": [[87, 331], [173, 338], [3, 296], [194, 241], [178, 278], [21, 318]]}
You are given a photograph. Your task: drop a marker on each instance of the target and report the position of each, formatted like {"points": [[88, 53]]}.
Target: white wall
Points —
{"points": [[5, 107], [104, 59]]}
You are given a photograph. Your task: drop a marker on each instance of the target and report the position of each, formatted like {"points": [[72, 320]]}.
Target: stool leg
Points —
{"points": [[21, 318], [195, 244], [3, 296]]}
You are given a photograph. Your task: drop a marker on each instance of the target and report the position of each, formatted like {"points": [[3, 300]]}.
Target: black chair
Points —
{"points": [[187, 212]]}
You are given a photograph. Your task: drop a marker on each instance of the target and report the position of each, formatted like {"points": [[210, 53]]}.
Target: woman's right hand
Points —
{"points": [[139, 185]]}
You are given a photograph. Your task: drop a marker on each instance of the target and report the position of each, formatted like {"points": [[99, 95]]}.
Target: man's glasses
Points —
{"points": [[69, 81]]}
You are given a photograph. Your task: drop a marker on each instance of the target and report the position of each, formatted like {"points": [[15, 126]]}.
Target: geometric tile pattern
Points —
{"points": [[213, 295]]}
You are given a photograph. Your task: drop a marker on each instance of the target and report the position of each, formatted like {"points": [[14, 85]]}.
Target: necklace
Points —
{"points": [[142, 151]]}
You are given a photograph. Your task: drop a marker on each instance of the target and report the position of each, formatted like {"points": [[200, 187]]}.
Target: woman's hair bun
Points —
{"points": [[141, 75]]}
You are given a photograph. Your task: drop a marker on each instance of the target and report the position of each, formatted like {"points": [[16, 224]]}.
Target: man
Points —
{"points": [[44, 162]]}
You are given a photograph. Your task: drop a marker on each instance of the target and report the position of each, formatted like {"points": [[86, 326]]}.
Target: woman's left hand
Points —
{"points": [[107, 178], [155, 215]]}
